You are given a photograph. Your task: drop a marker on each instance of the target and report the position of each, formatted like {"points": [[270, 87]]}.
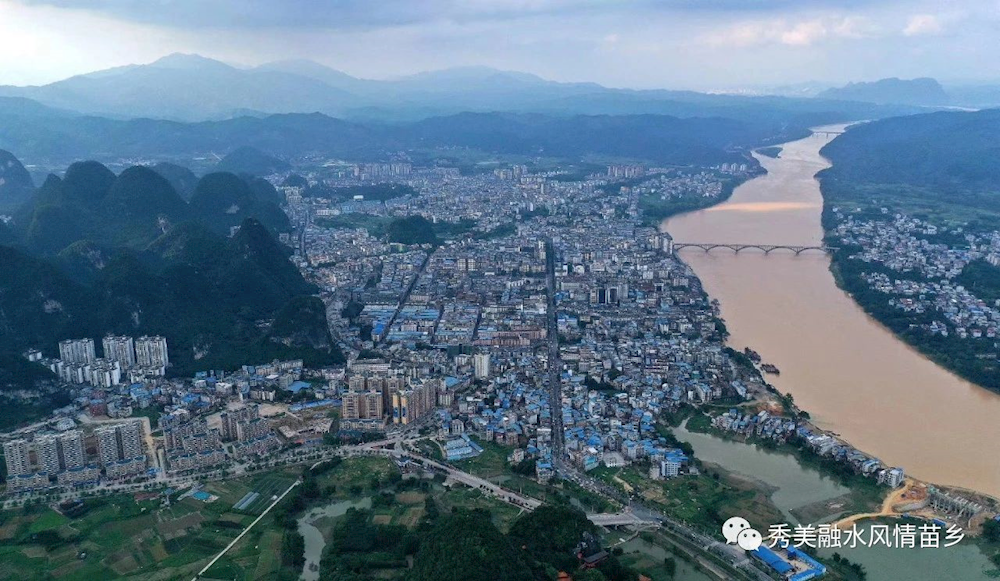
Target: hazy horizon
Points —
{"points": [[714, 45]]}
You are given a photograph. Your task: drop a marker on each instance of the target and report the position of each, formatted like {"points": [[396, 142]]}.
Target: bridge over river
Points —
{"points": [[765, 248]]}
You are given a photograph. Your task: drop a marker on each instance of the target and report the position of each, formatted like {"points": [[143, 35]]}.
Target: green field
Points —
{"points": [[269, 485], [120, 537]]}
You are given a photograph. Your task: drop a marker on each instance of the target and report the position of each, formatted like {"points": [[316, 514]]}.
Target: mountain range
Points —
{"points": [[186, 87], [94, 253], [52, 138], [90, 203], [923, 92]]}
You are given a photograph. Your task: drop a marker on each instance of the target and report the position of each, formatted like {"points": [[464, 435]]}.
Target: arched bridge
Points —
{"points": [[765, 248]]}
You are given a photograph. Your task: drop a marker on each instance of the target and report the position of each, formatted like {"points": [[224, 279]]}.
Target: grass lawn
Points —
{"points": [[701, 501], [490, 464], [357, 474]]}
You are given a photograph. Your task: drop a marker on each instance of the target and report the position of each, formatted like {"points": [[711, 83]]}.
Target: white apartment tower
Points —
{"points": [[151, 351], [107, 445], [481, 365], [119, 442], [130, 435], [120, 349], [77, 351], [16, 453], [47, 453], [71, 449]]}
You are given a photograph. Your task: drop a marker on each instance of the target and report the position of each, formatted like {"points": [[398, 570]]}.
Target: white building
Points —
{"points": [[481, 365], [71, 449], [77, 351], [151, 352], [120, 349], [47, 454]]}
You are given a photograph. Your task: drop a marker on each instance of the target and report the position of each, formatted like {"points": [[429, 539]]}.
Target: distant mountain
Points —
{"points": [[15, 182], [313, 70], [655, 138], [194, 88], [919, 92], [975, 96], [247, 160], [187, 87]]}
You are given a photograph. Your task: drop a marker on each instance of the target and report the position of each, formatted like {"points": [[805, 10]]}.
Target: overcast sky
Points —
{"points": [[696, 44]]}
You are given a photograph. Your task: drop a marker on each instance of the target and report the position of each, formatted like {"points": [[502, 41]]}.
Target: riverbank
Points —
{"points": [[655, 210], [817, 491], [972, 362], [851, 374]]}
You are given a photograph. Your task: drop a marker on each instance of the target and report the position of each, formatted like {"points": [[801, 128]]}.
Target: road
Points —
{"points": [[552, 337], [886, 510], [406, 295]]}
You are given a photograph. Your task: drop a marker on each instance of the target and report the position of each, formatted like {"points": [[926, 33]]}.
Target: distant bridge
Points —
{"points": [[765, 248]]}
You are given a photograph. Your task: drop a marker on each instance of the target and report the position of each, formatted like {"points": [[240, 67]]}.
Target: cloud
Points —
{"points": [[798, 33], [922, 25], [804, 33], [348, 14]]}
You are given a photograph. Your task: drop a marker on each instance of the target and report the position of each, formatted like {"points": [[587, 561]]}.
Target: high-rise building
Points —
{"points": [[107, 445], [481, 365], [16, 453], [120, 349], [71, 449], [130, 435], [104, 373], [77, 351], [47, 453], [120, 442], [362, 405], [419, 398], [243, 424], [151, 352]]}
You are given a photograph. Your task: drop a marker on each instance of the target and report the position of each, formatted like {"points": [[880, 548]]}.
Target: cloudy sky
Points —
{"points": [[696, 44]]}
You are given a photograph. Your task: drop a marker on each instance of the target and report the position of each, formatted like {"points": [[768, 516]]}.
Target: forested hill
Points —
{"points": [[946, 157], [90, 203], [94, 253], [204, 292], [52, 139]]}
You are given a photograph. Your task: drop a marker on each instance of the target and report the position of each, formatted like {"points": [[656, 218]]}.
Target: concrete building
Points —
{"points": [[366, 405], [77, 351], [120, 442], [244, 425], [47, 453], [120, 349], [481, 365], [410, 404], [16, 454], [151, 352], [72, 450], [107, 445]]}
